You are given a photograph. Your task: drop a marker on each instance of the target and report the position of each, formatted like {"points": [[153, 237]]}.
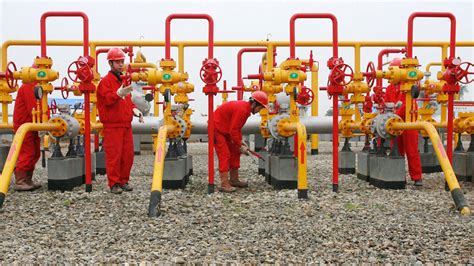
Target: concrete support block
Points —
{"points": [[346, 162], [100, 163], [363, 166], [136, 144], [65, 173], [284, 172], [429, 163], [391, 173], [174, 174], [267, 168], [4, 149], [462, 165]]}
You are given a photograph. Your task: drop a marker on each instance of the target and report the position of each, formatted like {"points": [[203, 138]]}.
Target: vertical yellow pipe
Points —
{"points": [[315, 105], [269, 57], [181, 58], [302, 161], [44, 106], [5, 113]]}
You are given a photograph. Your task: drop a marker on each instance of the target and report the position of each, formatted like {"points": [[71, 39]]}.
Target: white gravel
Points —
{"points": [[360, 224]]}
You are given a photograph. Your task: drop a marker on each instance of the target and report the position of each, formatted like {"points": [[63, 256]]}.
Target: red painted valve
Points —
{"points": [[64, 88], [79, 71], [127, 77], [305, 97], [341, 74], [211, 73], [53, 107], [11, 67], [463, 74], [370, 74]]}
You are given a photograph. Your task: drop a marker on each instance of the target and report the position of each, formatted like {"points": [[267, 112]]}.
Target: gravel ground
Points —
{"points": [[256, 225]]}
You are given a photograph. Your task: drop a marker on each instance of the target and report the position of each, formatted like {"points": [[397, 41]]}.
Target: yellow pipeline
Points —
{"points": [[160, 152], [143, 65], [314, 105], [302, 156], [9, 43], [438, 147], [15, 150]]}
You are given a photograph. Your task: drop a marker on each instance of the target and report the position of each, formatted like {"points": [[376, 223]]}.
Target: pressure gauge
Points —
{"points": [[38, 92]]}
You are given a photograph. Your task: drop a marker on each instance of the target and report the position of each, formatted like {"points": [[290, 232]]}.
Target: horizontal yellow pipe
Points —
{"points": [[16, 147], [9, 43], [144, 65], [438, 146], [6, 126], [428, 66]]}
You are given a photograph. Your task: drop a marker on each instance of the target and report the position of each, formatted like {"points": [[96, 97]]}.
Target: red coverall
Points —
{"points": [[229, 119], [116, 115], [30, 149], [408, 141]]}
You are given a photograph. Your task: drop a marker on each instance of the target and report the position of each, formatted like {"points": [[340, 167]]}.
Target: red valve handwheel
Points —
{"points": [[211, 73], [341, 74], [64, 88], [462, 73], [305, 97], [370, 74], [12, 83]]}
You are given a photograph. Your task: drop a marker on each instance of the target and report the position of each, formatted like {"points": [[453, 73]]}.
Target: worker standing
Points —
{"points": [[116, 111], [229, 118], [408, 140]]}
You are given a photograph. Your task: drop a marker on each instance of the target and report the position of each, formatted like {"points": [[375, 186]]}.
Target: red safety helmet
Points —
{"points": [[115, 54], [260, 97], [396, 62]]}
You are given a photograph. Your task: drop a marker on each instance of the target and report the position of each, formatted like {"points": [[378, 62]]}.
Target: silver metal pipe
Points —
{"points": [[317, 125]]}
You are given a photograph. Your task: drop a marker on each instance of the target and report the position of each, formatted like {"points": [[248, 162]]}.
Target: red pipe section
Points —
{"points": [[210, 110], [335, 47], [64, 14], [189, 16], [452, 54], [240, 82], [97, 53], [87, 118], [313, 15]]}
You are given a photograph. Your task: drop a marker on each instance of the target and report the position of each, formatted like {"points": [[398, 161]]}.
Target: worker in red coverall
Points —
{"points": [[408, 141], [116, 111], [229, 119], [30, 152]]}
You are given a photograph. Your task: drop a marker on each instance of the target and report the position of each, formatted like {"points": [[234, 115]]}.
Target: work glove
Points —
{"points": [[124, 91], [138, 114], [244, 149], [398, 105]]}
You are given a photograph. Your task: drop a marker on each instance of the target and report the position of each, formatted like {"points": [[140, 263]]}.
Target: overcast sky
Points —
{"points": [[234, 20]]}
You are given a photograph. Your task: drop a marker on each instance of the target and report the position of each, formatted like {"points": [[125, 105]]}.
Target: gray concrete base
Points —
{"points": [[391, 173], [100, 163], [462, 165], [429, 163], [346, 162], [374, 165], [284, 172], [261, 163], [363, 166], [136, 144], [174, 173], [4, 149], [267, 170], [93, 167], [65, 174]]}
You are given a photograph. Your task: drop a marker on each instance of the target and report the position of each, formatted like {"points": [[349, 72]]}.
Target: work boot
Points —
{"points": [[234, 179], [126, 187], [29, 180], [116, 189], [418, 183], [225, 185], [21, 182]]}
